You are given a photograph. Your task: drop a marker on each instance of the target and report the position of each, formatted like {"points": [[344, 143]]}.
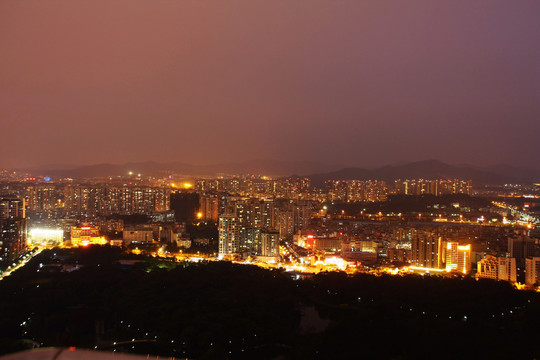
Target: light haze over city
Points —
{"points": [[364, 83]]}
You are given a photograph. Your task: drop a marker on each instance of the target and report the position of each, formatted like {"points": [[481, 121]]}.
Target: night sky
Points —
{"points": [[361, 83]]}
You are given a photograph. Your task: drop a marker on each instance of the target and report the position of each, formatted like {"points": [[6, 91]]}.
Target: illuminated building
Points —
{"points": [[12, 238], [209, 207], [291, 216], [163, 217], [356, 190], [41, 197], [326, 244], [183, 243], [269, 243], [250, 240], [245, 220], [488, 268], [434, 187], [454, 187], [398, 254], [12, 207], [402, 238], [458, 257], [507, 269], [337, 190], [204, 185], [12, 228], [138, 234], [86, 235], [375, 191], [285, 224], [301, 213], [92, 200], [229, 234], [244, 211], [403, 235], [520, 248], [426, 250], [532, 271], [45, 237], [497, 268], [365, 246], [264, 214], [109, 225]]}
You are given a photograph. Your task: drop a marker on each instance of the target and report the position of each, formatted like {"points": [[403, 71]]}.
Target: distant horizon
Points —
{"points": [[60, 166]]}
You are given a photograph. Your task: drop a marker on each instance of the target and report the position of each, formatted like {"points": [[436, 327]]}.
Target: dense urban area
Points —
{"points": [[252, 266]]}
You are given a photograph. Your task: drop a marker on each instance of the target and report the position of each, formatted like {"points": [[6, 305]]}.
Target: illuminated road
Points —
{"points": [[518, 213], [21, 263]]}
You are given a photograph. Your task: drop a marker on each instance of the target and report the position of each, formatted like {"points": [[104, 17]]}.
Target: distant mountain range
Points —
{"points": [[317, 172], [150, 168], [433, 169]]}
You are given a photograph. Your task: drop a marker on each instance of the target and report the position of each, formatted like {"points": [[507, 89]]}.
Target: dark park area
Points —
{"points": [[100, 298]]}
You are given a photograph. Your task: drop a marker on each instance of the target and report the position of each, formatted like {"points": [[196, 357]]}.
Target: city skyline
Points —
{"points": [[358, 84], [251, 179]]}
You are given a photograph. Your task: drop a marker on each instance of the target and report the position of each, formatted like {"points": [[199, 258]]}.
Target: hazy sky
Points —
{"points": [[352, 82]]}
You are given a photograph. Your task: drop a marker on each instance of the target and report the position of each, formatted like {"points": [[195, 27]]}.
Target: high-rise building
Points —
{"points": [[229, 229], [12, 228], [41, 197], [402, 238], [12, 207], [12, 238], [209, 207], [521, 247], [427, 250], [270, 243], [434, 187], [507, 269], [250, 240], [185, 205], [91, 200], [532, 271], [497, 268], [356, 190], [488, 268], [458, 257]]}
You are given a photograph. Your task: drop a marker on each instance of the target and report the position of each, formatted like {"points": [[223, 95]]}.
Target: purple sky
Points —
{"points": [[351, 82]]}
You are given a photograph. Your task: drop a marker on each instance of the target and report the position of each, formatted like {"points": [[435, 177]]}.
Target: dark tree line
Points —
{"points": [[221, 310]]}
